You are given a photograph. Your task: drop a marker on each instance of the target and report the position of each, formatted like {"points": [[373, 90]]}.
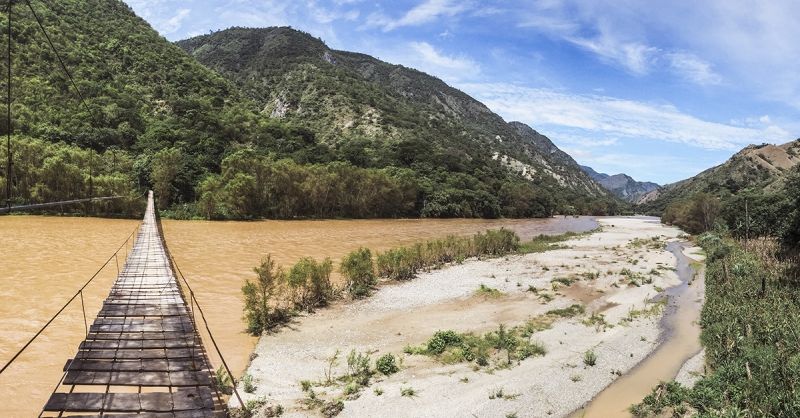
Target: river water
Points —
{"points": [[44, 260]]}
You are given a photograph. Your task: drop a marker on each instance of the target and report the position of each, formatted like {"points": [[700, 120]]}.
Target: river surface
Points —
{"points": [[44, 260]]}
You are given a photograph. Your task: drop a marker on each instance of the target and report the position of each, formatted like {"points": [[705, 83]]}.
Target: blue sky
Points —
{"points": [[658, 90]]}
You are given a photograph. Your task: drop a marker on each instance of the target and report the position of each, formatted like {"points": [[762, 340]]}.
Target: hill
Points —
{"points": [[623, 185], [749, 192], [375, 114], [293, 135]]}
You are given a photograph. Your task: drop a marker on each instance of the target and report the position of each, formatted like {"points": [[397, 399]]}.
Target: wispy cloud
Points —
{"points": [[172, 24], [436, 62], [599, 118], [693, 68], [425, 12]]}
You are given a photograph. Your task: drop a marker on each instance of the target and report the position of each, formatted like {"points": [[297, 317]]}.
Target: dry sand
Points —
{"points": [[409, 313]]}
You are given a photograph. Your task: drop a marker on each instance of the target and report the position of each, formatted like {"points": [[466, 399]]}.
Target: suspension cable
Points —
{"points": [[61, 61], [8, 112], [74, 86], [78, 293]]}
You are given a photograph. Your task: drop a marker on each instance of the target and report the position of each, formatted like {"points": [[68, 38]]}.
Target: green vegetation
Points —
{"points": [[375, 115], [408, 391], [387, 364], [568, 312], [310, 285], [359, 271], [350, 384], [503, 345], [275, 296], [488, 292], [223, 381], [746, 212], [750, 335], [590, 358], [247, 384], [544, 243], [261, 311], [403, 263]]}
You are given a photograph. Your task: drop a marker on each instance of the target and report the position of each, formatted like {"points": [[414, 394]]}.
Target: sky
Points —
{"points": [[659, 90]]}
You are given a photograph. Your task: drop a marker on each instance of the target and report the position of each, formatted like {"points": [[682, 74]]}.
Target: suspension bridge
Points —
{"points": [[143, 354]]}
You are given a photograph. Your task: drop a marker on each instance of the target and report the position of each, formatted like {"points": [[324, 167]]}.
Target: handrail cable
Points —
{"points": [[205, 322], [78, 293]]}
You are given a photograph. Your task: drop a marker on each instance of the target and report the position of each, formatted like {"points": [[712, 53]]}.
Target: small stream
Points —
{"points": [[680, 340]]}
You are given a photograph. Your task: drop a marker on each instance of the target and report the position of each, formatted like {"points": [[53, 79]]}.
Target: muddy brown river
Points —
{"points": [[44, 260]]}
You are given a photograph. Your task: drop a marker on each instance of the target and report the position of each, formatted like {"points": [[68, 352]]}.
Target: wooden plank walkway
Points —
{"points": [[143, 354]]}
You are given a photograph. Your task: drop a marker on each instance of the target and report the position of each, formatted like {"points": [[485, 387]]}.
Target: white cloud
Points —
{"points": [[425, 12], [458, 67], [172, 24], [693, 68], [633, 56], [749, 45], [599, 118]]}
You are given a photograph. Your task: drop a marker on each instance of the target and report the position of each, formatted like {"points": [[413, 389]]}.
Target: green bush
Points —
{"points": [[590, 358], [441, 340], [387, 364], [310, 282], [259, 312], [359, 271]]}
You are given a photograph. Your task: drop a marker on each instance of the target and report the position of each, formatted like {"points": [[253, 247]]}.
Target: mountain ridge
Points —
{"points": [[623, 185], [755, 168], [353, 98]]}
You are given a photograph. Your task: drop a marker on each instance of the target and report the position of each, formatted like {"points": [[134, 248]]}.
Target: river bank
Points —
{"points": [[613, 275]]}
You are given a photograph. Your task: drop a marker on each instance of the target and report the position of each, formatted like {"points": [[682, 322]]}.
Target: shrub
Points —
{"points": [[386, 364], [359, 271], [441, 340], [590, 358], [311, 283], [247, 384], [258, 312]]}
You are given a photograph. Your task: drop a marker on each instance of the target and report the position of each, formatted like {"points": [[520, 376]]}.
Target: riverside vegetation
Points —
{"points": [[275, 295]]}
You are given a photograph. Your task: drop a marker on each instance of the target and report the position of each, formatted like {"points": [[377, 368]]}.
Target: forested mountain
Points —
{"points": [[290, 128], [622, 185], [749, 191], [374, 114]]}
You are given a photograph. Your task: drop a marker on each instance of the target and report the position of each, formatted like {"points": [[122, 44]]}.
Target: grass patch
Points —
{"points": [[568, 312], [488, 292], [544, 243]]}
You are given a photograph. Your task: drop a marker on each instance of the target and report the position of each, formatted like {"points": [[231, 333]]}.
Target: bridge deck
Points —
{"points": [[142, 354]]}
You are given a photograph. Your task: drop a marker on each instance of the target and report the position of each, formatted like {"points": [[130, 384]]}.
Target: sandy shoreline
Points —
{"points": [[409, 313]]}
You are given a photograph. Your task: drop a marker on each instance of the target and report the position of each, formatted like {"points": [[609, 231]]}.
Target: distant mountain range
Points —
{"points": [[623, 185]]}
